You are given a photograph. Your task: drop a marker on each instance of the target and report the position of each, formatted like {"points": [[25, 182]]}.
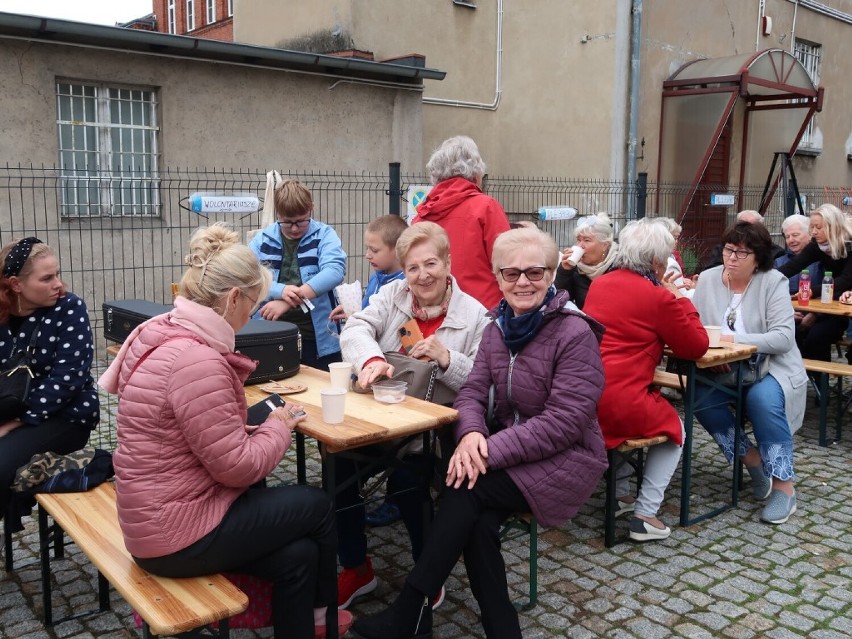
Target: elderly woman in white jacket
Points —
{"points": [[451, 323]]}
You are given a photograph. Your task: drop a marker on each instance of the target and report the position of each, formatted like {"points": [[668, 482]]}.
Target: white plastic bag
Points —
{"points": [[349, 296]]}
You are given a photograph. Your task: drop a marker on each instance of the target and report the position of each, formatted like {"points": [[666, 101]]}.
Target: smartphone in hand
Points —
{"points": [[257, 413]]}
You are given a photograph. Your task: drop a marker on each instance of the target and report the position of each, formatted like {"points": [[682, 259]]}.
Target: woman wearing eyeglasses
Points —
{"points": [[643, 309], [594, 236], [751, 302], [307, 262], [451, 324], [542, 451], [187, 464]]}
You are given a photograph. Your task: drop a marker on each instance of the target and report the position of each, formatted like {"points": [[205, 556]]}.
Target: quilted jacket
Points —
{"points": [[473, 221], [545, 431], [183, 455]]}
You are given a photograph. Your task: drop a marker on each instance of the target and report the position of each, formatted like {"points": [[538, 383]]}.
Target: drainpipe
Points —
{"points": [[633, 122], [498, 91]]}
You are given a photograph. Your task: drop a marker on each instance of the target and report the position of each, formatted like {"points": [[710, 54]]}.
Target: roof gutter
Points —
{"points": [[80, 34]]}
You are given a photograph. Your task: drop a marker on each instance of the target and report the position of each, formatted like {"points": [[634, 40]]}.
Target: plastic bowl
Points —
{"points": [[389, 391]]}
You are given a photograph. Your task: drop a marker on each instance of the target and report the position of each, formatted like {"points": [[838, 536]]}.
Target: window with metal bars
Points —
{"points": [[108, 150], [810, 54]]}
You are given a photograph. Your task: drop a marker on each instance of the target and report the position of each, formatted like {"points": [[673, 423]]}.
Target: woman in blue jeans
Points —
{"points": [[751, 303]]}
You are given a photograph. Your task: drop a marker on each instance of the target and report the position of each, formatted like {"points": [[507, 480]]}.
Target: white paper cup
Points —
{"points": [[341, 374], [715, 335], [576, 255], [333, 405]]}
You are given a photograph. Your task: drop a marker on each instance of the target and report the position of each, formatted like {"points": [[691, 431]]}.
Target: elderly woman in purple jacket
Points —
{"points": [[541, 452]]}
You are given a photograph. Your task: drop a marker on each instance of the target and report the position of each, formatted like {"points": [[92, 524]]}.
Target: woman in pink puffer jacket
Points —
{"points": [[186, 461]]}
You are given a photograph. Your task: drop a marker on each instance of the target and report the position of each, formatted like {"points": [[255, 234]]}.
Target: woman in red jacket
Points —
{"points": [[643, 310], [472, 219]]}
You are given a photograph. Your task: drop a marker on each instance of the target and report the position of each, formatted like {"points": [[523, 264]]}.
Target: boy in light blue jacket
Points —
{"points": [[307, 262]]}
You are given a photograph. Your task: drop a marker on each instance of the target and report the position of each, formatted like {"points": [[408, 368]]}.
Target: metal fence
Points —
{"points": [[137, 256]]}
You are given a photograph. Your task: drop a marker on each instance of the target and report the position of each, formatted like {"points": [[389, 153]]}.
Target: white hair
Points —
{"points": [[748, 213], [670, 224], [802, 220], [456, 157], [598, 225], [644, 243]]}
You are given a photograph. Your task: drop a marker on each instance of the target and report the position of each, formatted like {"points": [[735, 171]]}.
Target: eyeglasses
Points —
{"points": [[533, 273], [741, 254], [253, 300], [294, 223]]}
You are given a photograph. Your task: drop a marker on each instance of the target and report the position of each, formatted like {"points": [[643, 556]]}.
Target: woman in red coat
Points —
{"points": [[643, 310]]}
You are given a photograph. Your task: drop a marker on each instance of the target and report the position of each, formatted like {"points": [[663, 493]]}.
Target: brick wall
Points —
{"points": [[222, 29]]}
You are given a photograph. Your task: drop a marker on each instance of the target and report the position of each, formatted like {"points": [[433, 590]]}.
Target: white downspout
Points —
{"points": [[793, 29], [490, 106]]}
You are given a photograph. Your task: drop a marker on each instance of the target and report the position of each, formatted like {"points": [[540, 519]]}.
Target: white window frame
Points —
{"points": [[211, 11], [190, 15], [172, 16], [810, 55], [230, 8], [99, 128]]}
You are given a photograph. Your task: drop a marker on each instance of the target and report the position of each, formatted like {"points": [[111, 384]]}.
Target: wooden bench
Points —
{"points": [[825, 370], [625, 447], [167, 606], [667, 380]]}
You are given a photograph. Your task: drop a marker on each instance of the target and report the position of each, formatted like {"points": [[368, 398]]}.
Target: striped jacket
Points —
{"points": [[322, 265]]}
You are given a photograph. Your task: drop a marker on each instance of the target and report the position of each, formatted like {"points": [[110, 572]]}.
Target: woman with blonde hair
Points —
{"points": [[38, 316], [594, 234], [831, 235], [187, 464]]}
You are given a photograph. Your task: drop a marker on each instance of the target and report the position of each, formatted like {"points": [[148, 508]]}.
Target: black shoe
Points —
{"points": [[409, 617]]}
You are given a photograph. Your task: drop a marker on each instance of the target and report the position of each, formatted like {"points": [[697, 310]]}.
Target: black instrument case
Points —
{"points": [[275, 346]]}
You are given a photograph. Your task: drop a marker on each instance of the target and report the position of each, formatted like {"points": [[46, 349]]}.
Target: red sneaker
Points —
{"points": [[350, 584], [439, 599], [344, 622]]}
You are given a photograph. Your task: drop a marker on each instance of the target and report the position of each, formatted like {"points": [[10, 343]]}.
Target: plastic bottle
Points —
{"points": [[804, 288], [827, 291]]}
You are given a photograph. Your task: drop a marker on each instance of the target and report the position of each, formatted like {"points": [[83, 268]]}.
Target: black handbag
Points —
{"points": [[16, 380]]}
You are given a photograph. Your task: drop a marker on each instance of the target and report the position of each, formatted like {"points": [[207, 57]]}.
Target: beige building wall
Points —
{"points": [[215, 115], [564, 101]]}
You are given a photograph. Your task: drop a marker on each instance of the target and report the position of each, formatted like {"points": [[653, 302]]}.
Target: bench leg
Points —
{"points": [[609, 501], [823, 407], [44, 551], [7, 542], [103, 593], [533, 564]]}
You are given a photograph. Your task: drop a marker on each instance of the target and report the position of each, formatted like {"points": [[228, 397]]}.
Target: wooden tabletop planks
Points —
{"points": [[366, 420]]}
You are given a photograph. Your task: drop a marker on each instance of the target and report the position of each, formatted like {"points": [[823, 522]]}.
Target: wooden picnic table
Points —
{"points": [[692, 372], [815, 306]]}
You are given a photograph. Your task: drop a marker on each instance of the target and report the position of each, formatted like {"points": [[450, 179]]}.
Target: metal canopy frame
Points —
{"points": [[769, 80]]}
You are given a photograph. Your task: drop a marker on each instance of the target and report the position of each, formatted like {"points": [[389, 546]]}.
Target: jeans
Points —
{"points": [[764, 404], [285, 535]]}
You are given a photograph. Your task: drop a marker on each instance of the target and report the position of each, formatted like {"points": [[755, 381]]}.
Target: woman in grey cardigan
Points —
{"points": [[751, 303]]}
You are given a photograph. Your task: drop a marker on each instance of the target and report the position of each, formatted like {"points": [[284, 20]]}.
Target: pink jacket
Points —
{"points": [[183, 455]]}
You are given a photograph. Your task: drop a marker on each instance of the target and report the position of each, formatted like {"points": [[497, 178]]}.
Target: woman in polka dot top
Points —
{"points": [[63, 403]]}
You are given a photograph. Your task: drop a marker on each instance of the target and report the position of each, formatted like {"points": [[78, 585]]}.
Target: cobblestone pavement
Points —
{"points": [[731, 576]]}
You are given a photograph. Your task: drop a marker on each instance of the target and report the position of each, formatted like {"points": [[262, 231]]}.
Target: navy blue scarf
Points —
{"points": [[518, 330]]}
